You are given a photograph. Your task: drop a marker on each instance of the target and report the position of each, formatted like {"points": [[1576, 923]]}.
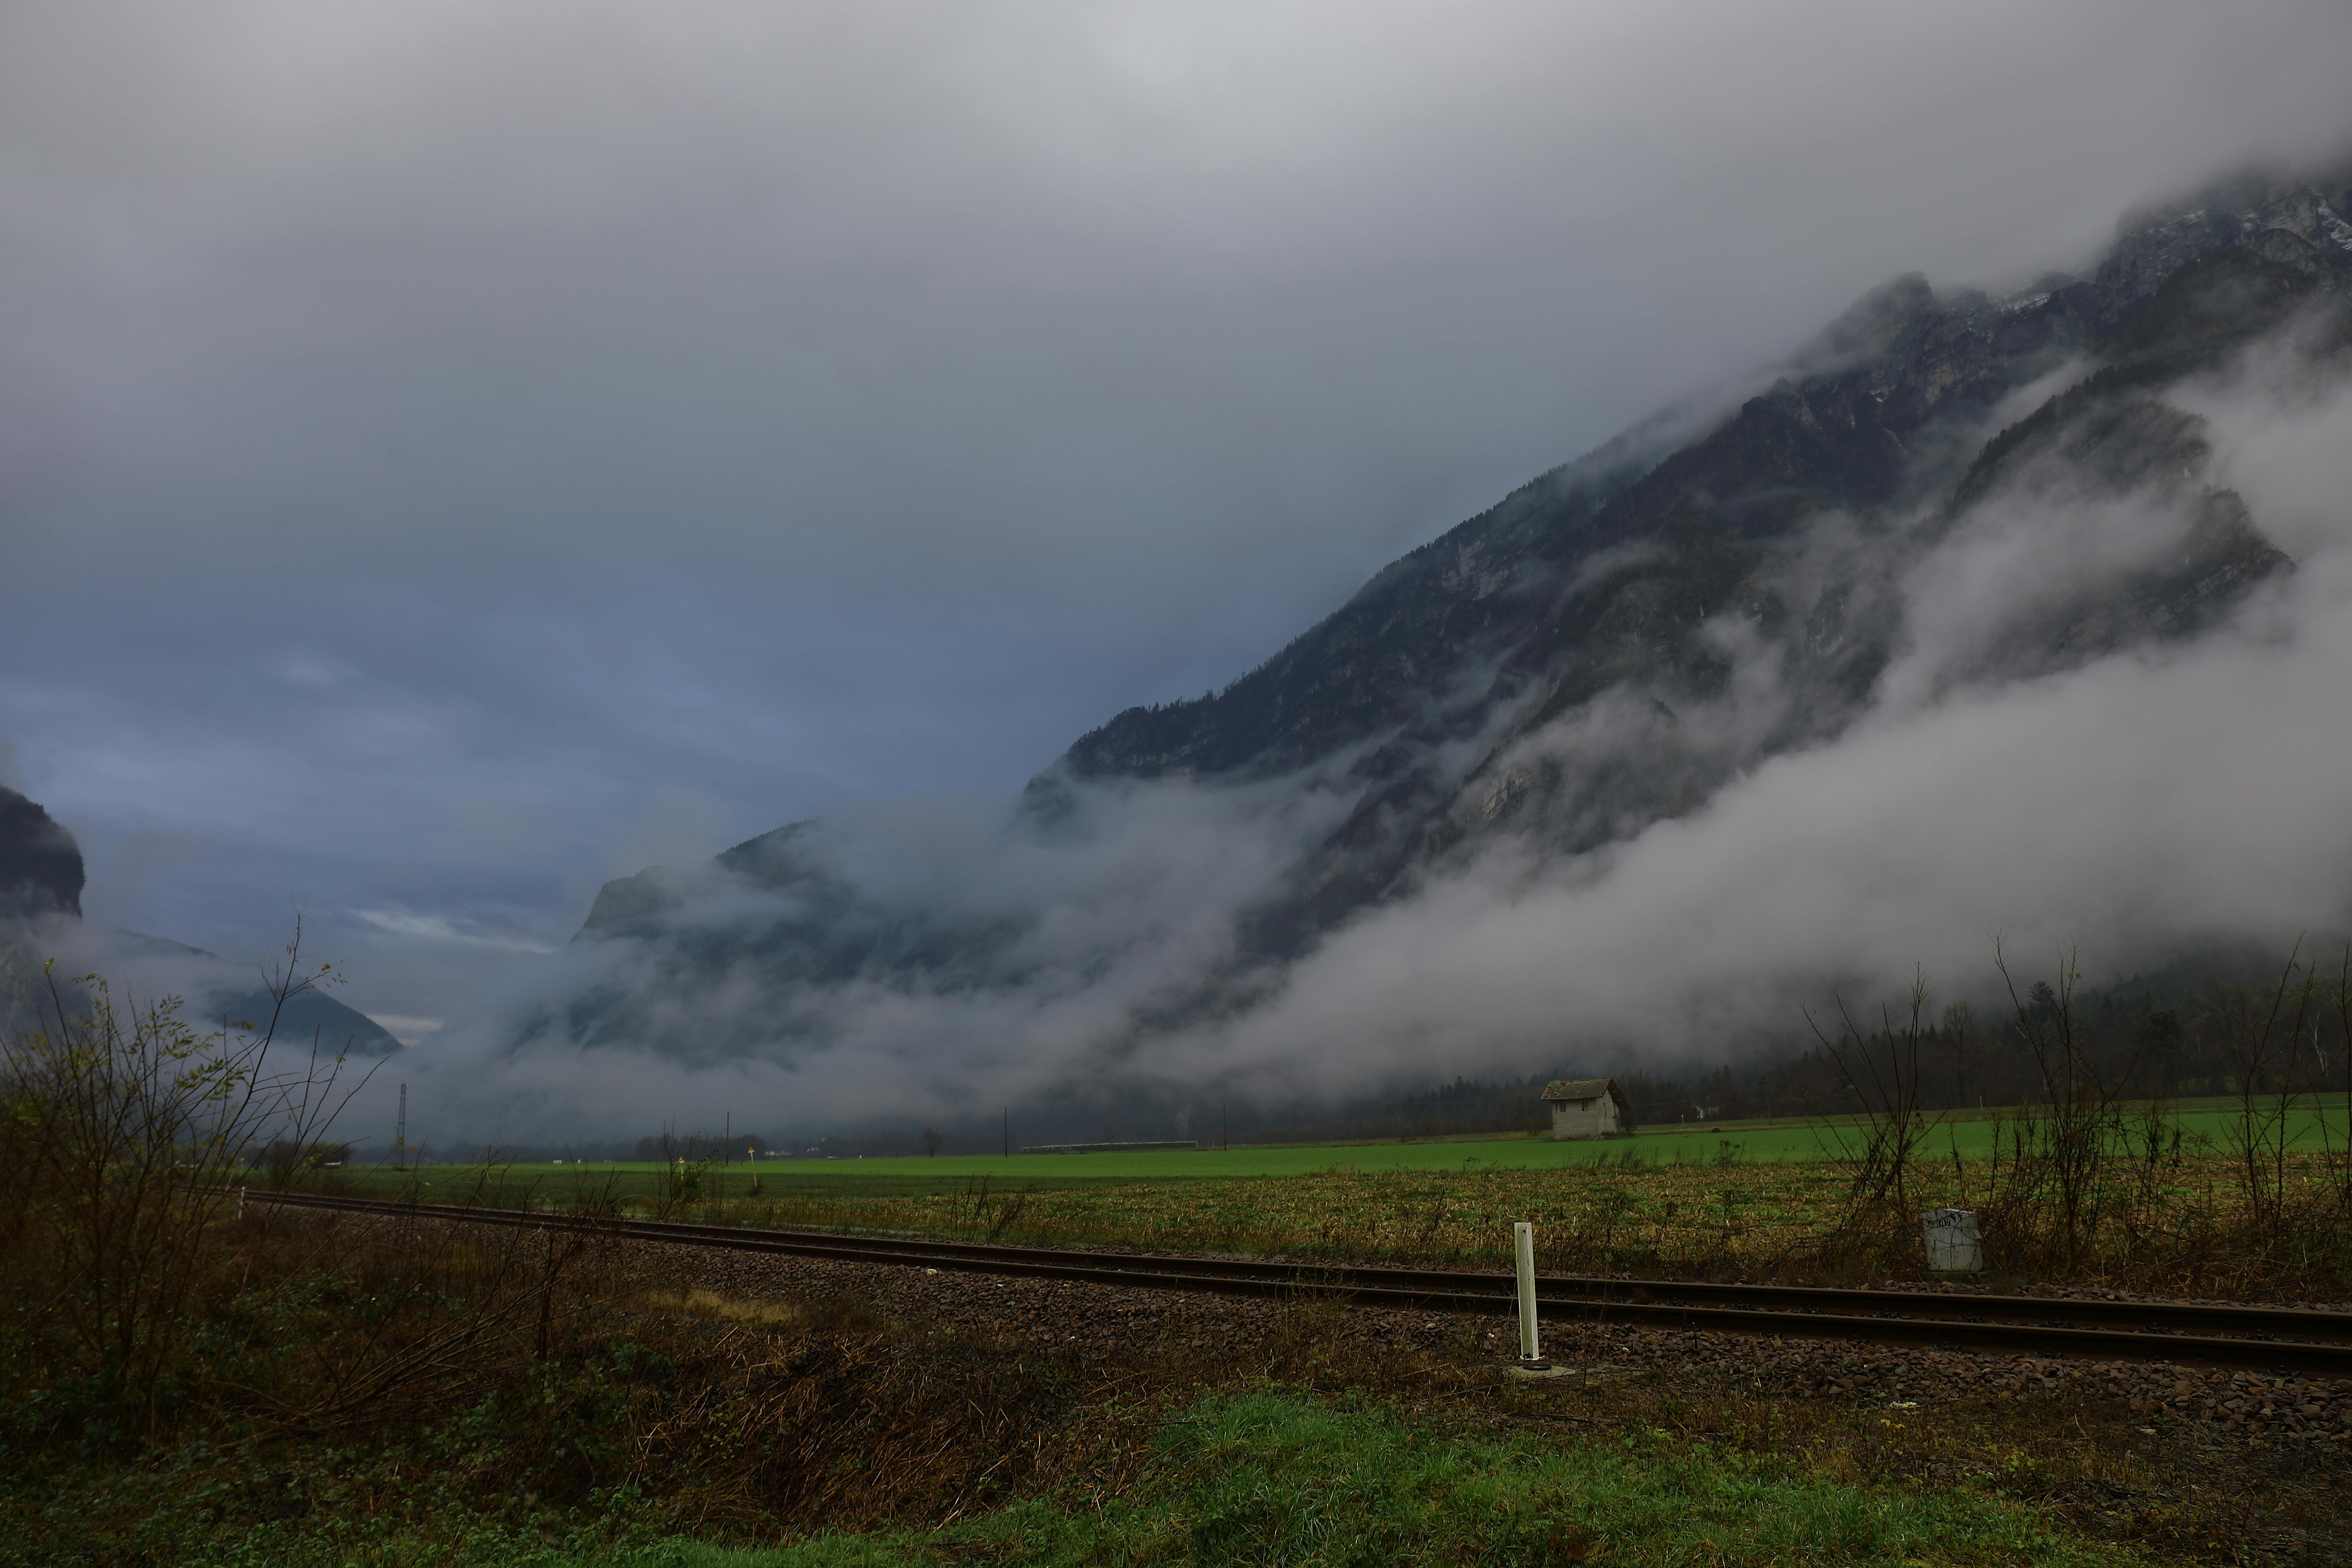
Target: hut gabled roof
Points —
{"points": [[1579, 1089]]}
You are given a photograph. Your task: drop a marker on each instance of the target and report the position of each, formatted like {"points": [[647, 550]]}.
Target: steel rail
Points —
{"points": [[2266, 1338]]}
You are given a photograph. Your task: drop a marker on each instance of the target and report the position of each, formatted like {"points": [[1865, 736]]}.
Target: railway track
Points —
{"points": [[2269, 1339]]}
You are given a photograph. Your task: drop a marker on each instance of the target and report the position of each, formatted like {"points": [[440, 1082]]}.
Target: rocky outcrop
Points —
{"points": [[41, 864]]}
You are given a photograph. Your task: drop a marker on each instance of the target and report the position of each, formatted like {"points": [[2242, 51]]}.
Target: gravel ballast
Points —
{"points": [[1096, 1322]]}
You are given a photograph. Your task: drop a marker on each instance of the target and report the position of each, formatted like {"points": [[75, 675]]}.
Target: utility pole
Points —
{"points": [[1008, 1132], [1224, 1129], [400, 1133]]}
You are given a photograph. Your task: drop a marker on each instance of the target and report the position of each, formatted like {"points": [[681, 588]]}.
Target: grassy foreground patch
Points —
{"points": [[1282, 1478]]}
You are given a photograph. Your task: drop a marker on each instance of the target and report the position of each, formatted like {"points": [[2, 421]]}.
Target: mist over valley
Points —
{"points": [[1990, 616], [843, 572]]}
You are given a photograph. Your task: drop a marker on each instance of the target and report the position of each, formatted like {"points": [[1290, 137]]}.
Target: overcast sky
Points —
{"points": [[451, 454]]}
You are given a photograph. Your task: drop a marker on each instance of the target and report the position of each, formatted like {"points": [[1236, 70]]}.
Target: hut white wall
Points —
{"points": [[1595, 1118]]}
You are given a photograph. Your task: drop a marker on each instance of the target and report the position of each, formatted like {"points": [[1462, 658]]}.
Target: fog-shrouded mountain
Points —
{"points": [[41, 880], [1948, 493]]}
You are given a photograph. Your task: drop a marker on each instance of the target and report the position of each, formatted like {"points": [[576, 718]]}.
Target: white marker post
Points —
{"points": [[1954, 1245], [1523, 1236]]}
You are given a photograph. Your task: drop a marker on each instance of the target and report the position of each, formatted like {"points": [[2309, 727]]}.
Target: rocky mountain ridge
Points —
{"points": [[1598, 582], [1611, 643]]}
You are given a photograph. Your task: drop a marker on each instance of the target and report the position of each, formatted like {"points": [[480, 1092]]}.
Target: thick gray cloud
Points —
{"points": [[451, 454]]}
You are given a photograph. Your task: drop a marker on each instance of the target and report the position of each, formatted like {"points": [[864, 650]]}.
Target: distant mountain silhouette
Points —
{"points": [[236, 998], [41, 880]]}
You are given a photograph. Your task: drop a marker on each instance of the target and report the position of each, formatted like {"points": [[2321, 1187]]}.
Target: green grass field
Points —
{"points": [[1971, 1134]]}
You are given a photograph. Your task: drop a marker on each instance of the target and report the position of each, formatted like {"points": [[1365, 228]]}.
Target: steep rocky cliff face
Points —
{"points": [[41, 864], [1625, 592], [1611, 643]]}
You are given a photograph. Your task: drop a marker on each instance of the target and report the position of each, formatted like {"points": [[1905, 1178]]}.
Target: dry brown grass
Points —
{"points": [[711, 1304], [763, 1420], [2179, 1223]]}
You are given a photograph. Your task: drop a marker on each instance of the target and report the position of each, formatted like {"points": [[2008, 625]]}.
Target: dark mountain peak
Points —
{"points": [[1594, 589], [2230, 208], [2255, 210], [1843, 434], [772, 861], [224, 995], [1610, 645], [774, 857], [41, 864], [41, 877], [1874, 325]]}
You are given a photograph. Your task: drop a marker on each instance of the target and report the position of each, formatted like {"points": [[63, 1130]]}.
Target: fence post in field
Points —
{"points": [[1523, 1238]]}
